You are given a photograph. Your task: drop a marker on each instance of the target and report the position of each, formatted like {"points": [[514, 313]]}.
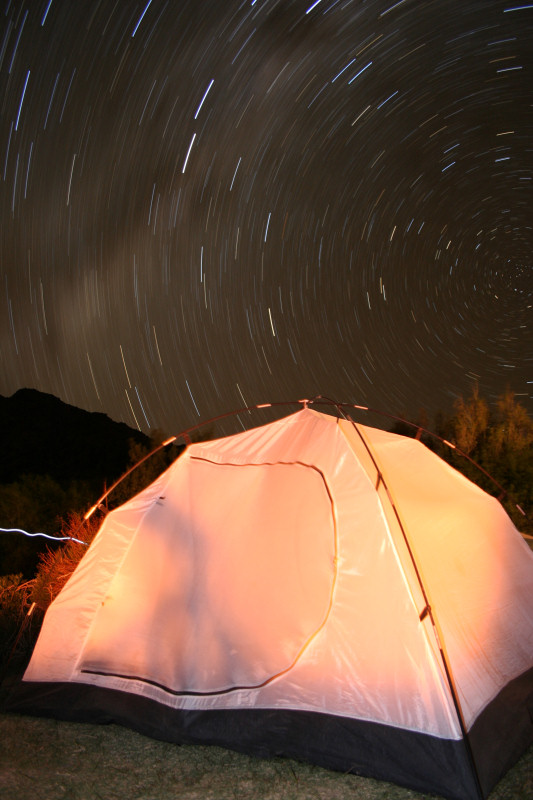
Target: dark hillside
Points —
{"points": [[56, 459], [41, 435]]}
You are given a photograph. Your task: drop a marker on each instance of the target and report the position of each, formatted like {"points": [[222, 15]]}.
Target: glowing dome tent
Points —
{"points": [[310, 588]]}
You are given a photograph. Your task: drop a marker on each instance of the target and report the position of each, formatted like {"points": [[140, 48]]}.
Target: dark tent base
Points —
{"points": [[414, 760], [503, 731]]}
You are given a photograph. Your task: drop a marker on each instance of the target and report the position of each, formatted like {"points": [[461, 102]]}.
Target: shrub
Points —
{"points": [[16, 623], [23, 603], [56, 566]]}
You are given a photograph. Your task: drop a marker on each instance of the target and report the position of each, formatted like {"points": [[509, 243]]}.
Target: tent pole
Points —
{"points": [[105, 495], [428, 611]]}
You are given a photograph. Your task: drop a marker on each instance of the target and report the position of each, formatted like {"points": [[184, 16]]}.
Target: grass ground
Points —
{"points": [[49, 760]]}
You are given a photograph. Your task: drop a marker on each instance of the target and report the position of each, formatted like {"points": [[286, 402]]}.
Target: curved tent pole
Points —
{"points": [[318, 400], [101, 499], [419, 431], [185, 436]]}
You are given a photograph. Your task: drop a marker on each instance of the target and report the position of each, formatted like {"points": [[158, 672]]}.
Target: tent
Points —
{"points": [[312, 588]]}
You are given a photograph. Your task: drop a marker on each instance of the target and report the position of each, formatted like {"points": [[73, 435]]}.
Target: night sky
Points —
{"points": [[210, 203]]}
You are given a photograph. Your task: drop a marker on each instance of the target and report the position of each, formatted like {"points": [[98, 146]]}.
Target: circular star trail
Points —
{"points": [[206, 205]]}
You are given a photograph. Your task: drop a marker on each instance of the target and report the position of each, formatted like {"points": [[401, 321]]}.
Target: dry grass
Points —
{"points": [[56, 566], [23, 603], [50, 760]]}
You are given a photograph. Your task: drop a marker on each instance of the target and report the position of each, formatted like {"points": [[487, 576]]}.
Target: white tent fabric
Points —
{"points": [[306, 566], [475, 566]]}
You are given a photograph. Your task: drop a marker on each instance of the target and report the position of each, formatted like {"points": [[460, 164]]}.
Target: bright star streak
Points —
{"points": [[188, 153], [234, 174], [192, 398], [360, 71], [46, 13], [400, 3], [202, 100], [141, 18], [22, 100], [343, 70], [311, 7]]}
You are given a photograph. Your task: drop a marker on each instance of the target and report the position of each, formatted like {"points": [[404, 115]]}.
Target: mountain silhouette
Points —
{"points": [[41, 435], [56, 459]]}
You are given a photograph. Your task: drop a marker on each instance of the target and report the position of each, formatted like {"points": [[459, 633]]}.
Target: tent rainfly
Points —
{"points": [[310, 588]]}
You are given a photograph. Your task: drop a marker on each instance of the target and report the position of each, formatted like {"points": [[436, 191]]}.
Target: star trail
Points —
{"points": [[209, 204]]}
